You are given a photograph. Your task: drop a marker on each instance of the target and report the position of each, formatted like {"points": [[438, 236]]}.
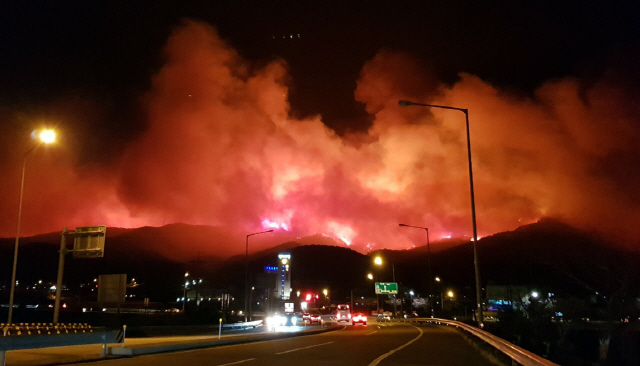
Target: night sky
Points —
{"points": [[257, 114]]}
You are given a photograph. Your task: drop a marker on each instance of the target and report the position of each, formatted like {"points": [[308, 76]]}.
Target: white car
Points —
{"points": [[343, 313]]}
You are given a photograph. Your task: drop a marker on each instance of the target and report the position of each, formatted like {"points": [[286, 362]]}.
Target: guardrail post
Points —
{"points": [[104, 346], [2, 357], [124, 334]]}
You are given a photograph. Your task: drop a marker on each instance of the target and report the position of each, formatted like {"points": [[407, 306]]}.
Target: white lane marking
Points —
{"points": [[375, 331], [379, 359], [301, 348], [237, 362]]}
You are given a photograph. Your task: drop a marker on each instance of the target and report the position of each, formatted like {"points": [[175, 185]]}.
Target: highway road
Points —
{"points": [[374, 344]]}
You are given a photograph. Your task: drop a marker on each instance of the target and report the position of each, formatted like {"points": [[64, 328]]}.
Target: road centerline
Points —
{"points": [[301, 348], [375, 331], [379, 359], [237, 362]]}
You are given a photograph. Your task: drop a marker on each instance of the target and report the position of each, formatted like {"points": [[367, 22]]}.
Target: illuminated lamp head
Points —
{"points": [[47, 136]]}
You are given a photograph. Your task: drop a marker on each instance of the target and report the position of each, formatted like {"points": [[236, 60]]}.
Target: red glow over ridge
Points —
{"points": [[222, 149]]}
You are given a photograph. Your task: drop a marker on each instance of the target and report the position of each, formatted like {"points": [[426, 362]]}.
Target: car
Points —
{"points": [[383, 318], [359, 318], [343, 314], [282, 320], [306, 316], [315, 318]]}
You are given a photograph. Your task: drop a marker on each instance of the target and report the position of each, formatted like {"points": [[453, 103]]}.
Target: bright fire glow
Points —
{"points": [[341, 231], [267, 224]]}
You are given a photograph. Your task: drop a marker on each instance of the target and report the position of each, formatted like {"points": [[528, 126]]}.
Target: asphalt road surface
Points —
{"points": [[375, 344]]}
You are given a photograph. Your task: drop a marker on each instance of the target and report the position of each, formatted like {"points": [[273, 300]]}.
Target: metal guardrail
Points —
{"points": [[517, 354], [56, 340], [252, 324], [43, 329]]}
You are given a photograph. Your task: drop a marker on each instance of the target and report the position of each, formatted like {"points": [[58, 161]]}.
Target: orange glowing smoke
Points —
{"points": [[221, 149]]}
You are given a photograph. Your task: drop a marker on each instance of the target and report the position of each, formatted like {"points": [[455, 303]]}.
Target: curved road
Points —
{"points": [[375, 344]]}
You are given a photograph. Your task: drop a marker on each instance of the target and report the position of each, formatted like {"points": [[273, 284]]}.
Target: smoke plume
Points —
{"points": [[220, 148]]}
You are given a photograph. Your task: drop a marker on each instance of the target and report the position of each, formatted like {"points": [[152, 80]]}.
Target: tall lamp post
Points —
{"points": [[370, 276], [46, 137], [473, 202], [428, 264], [378, 261], [246, 274], [184, 297]]}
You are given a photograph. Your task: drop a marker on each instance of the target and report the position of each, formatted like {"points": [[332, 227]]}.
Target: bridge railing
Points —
{"points": [[42, 341], [518, 355], [18, 329]]}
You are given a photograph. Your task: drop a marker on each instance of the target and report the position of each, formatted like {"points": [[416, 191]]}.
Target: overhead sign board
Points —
{"points": [[89, 242], [386, 288]]}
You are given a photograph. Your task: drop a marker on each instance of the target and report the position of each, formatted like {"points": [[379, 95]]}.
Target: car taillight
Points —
{"points": [[349, 315]]}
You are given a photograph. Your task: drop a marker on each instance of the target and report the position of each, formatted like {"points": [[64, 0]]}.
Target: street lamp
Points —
{"points": [[46, 137], [251, 301], [378, 261], [428, 264], [246, 273], [184, 298], [370, 276], [411, 293], [473, 202]]}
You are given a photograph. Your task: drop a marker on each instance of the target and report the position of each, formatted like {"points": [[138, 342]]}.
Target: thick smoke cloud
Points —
{"points": [[221, 149]]}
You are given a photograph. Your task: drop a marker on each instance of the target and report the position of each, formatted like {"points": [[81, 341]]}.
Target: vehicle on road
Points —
{"points": [[282, 320], [359, 318], [315, 318], [343, 314], [306, 317], [383, 318]]}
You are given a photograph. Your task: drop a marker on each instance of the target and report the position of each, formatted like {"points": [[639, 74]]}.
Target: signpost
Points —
{"points": [[386, 288], [88, 243]]}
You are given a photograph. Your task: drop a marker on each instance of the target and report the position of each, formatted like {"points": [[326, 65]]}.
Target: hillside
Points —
{"points": [[546, 254]]}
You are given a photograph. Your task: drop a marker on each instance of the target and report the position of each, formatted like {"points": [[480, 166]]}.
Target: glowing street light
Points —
{"points": [[473, 201], [378, 261], [184, 298], [46, 137], [246, 273], [428, 263]]}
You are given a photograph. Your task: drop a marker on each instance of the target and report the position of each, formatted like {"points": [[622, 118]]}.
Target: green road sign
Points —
{"points": [[386, 288]]}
